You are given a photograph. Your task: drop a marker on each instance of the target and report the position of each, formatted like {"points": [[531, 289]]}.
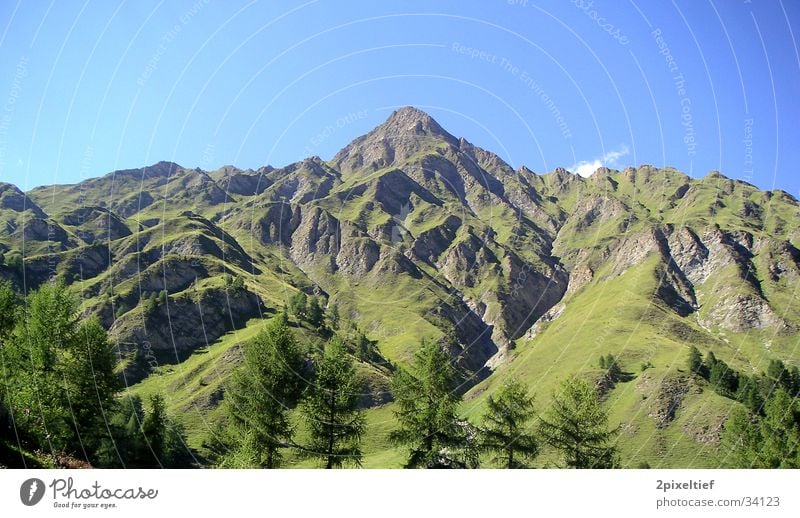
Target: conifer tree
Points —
{"points": [[331, 409], [505, 431], [262, 391], [333, 316], [772, 441], [298, 305], [62, 386], [427, 411], [577, 425], [695, 361], [315, 315], [91, 384], [740, 439]]}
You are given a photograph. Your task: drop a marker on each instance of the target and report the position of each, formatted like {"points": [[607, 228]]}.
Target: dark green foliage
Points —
{"points": [[724, 379], [9, 305], [149, 303], [238, 284], [427, 411], [780, 433], [708, 364], [779, 376], [59, 376], [154, 426], [315, 315], [143, 438], [125, 447], [749, 394], [39, 354], [298, 305], [364, 347], [90, 383], [613, 370], [336, 424], [162, 297], [333, 316], [506, 429], [162, 437], [14, 262], [740, 439], [260, 394], [771, 441], [577, 425], [121, 310], [695, 361]]}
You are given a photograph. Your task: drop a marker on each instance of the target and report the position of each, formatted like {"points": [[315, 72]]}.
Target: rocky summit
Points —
{"points": [[416, 234]]}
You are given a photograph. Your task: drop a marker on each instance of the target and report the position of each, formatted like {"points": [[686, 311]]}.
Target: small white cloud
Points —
{"points": [[20, 163], [587, 167]]}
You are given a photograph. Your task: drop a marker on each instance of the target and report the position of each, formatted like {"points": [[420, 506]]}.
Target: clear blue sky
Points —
{"points": [[90, 87]]}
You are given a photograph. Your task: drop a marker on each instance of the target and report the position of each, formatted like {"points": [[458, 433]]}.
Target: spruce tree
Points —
{"points": [[8, 314], [577, 425], [262, 391], [695, 361], [331, 409], [780, 436], [363, 347], [42, 340], [505, 431], [91, 384], [740, 439], [163, 441], [9, 308], [154, 429], [333, 316], [315, 315], [298, 305], [427, 411], [709, 363], [60, 380], [772, 441]]}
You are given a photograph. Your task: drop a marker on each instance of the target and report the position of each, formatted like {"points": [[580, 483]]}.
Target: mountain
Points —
{"points": [[415, 234]]}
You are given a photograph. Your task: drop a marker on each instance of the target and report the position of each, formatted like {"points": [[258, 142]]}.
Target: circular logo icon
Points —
{"points": [[31, 491]]}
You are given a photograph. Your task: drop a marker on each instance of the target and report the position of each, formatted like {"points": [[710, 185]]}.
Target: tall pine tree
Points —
{"points": [[505, 431], [63, 374], [261, 393], [336, 424], [695, 361], [772, 441], [577, 425], [427, 410]]}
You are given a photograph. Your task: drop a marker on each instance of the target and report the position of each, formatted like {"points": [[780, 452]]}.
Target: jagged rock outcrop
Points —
{"points": [[193, 321]]}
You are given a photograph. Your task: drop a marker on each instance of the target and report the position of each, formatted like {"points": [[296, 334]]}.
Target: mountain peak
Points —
{"points": [[407, 131], [411, 118]]}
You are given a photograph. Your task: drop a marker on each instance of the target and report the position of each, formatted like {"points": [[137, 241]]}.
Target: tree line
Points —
{"points": [[60, 393], [764, 430], [62, 396], [275, 379]]}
